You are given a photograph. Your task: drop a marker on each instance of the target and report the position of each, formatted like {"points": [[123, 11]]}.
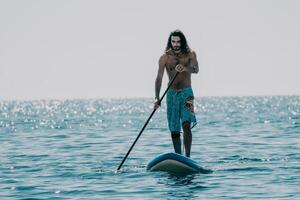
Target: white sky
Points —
{"points": [[95, 49]]}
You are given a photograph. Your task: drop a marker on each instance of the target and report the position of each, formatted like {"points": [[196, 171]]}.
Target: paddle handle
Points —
{"points": [[147, 122]]}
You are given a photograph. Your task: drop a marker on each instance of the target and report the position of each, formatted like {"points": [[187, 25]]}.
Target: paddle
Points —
{"points": [[159, 101]]}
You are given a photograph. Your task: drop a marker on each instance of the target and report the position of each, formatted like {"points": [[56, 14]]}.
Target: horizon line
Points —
{"points": [[119, 98]]}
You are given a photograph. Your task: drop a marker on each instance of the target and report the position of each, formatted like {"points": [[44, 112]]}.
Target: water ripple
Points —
{"points": [[70, 149]]}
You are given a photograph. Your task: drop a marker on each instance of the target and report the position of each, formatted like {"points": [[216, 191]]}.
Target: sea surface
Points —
{"points": [[70, 149]]}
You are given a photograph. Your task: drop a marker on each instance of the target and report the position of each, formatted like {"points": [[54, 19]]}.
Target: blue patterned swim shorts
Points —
{"points": [[180, 108]]}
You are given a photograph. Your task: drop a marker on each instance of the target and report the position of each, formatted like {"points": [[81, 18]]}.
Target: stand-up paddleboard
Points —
{"points": [[174, 163]]}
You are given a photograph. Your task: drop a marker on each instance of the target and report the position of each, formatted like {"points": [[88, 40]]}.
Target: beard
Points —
{"points": [[176, 48]]}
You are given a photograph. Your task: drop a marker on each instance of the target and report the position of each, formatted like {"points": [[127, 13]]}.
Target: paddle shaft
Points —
{"points": [[159, 101]]}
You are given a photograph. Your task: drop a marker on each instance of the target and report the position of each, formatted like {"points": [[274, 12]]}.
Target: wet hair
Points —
{"points": [[183, 43]]}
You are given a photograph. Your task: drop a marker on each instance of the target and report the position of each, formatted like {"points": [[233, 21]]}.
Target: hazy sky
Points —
{"points": [[95, 49]]}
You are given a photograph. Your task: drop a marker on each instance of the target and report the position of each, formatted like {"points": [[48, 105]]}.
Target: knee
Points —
{"points": [[175, 135], [186, 125]]}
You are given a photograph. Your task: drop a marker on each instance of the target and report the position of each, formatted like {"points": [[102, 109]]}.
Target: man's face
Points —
{"points": [[175, 41]]}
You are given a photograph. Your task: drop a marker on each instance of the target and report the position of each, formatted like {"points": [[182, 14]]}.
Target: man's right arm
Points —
{"points": [[160, 73]]}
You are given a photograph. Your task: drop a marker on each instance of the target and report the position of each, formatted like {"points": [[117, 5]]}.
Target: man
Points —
{"points": [[178, 58]]}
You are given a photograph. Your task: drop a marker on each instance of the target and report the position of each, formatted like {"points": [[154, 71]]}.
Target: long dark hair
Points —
{"points": [[184, 47]]}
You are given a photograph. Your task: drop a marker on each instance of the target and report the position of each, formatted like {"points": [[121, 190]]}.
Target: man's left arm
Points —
{"points": [[193, 64]]}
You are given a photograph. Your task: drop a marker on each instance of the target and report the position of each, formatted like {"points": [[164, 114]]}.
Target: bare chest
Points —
{"points": [[172, 61]]}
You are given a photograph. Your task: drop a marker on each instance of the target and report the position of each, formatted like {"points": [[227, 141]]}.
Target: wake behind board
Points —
{"points": [[174, 163]]}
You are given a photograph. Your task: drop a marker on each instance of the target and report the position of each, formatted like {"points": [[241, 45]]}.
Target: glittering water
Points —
{"points": [[71, 149]]}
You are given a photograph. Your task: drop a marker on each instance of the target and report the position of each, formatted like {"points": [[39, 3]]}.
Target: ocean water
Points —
{"points": [[70, 149]]}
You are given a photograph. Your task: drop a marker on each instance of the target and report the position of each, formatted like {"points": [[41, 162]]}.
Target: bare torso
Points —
{"points": [[183, 79], [171, 61]]}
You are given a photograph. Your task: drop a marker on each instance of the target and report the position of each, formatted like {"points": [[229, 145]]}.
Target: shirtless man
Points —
{"points": [[178, 58]]}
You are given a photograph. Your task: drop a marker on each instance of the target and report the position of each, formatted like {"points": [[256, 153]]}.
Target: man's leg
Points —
{"points": [[176, 141], [187, 137]]}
